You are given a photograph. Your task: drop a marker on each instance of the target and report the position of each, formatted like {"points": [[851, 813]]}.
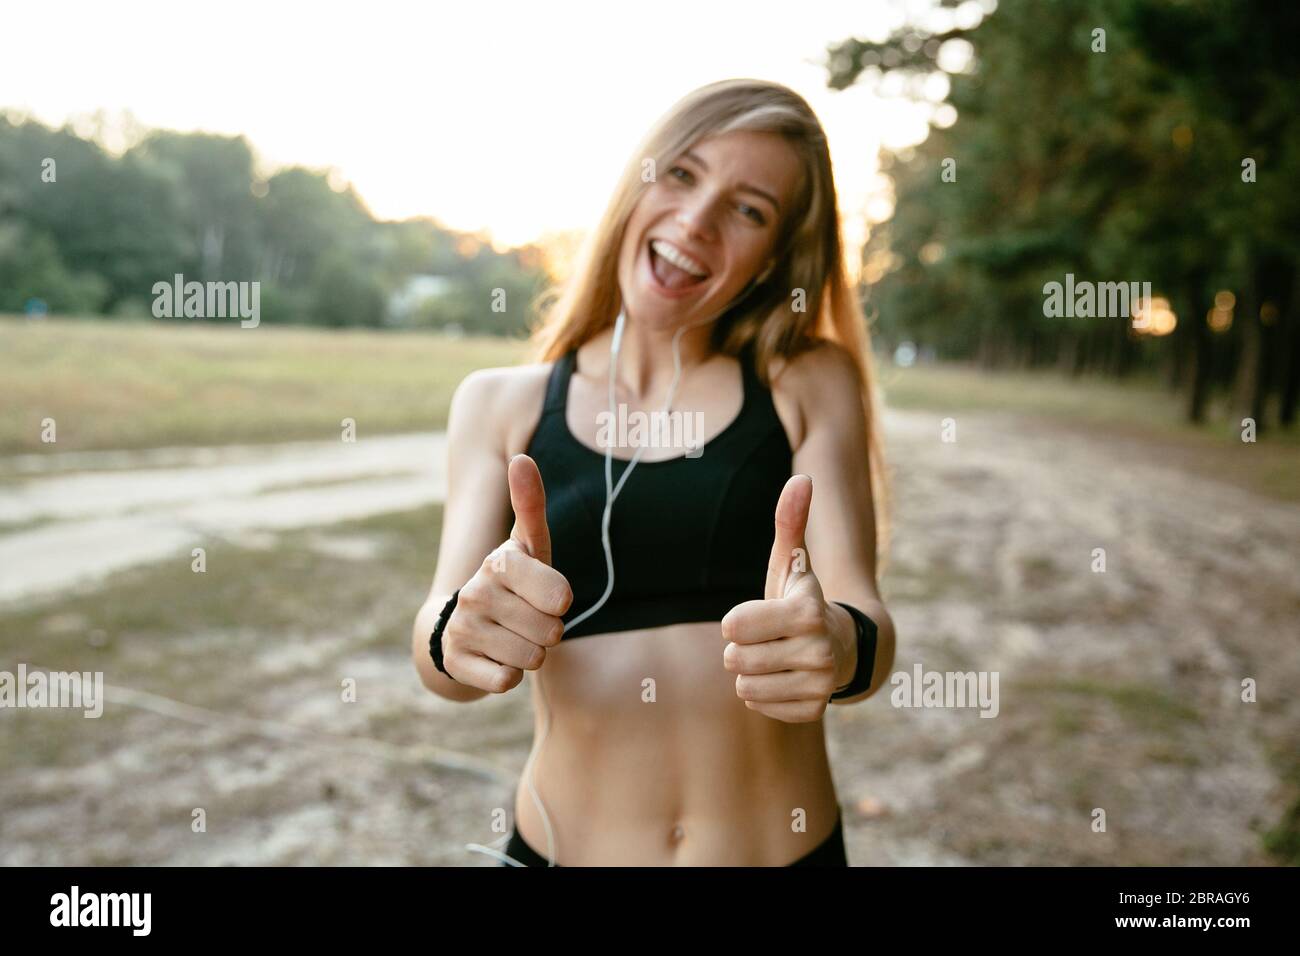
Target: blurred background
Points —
{"points": [[236, 525]]}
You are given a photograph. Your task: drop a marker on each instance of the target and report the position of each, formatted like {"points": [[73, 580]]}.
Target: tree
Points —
{"points": [[1113, 156]]}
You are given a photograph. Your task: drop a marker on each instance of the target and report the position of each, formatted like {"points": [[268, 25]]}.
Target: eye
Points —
{"points": [[686, 177]]}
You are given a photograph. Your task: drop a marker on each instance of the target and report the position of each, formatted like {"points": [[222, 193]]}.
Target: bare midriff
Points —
{"points": [[652, 760]]}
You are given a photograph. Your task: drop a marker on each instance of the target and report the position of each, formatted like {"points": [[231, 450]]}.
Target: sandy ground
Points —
{"points": [[1119, 691]]}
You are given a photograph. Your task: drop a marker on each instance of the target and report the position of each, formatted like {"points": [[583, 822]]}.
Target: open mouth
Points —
{"points": [[674, 269]]}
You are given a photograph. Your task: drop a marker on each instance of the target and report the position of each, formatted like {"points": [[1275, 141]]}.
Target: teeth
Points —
{"points": [[678, 258]]}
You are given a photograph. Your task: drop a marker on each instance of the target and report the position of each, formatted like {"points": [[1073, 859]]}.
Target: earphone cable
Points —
{"points": [[611, 494]]}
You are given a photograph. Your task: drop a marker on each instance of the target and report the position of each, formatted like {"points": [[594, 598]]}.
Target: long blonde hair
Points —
{"points": [[809, 255]]}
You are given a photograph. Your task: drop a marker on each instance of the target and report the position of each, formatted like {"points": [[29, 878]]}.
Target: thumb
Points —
{"points": [[789, 551], [528, 499]]}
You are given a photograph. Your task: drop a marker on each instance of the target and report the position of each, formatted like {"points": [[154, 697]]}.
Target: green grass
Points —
{"points": [[962, 387], [145, 384], [1141, 707], [120, 384], [1281, 840]]}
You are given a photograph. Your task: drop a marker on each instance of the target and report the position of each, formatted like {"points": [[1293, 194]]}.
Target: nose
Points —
{"points": [[695, 215]]}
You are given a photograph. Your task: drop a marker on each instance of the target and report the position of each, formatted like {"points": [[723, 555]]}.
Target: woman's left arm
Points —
{"points": [[826, 536], [841, 530]]}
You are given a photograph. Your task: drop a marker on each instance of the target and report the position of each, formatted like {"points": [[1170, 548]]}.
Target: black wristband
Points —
{"points": [[866, 664], [435, 642]]}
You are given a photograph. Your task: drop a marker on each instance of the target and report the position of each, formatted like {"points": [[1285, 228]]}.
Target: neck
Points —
{"points": [[645, 361]]}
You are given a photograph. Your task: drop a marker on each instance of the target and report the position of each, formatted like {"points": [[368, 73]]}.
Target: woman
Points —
{"points": [[687, 730]]}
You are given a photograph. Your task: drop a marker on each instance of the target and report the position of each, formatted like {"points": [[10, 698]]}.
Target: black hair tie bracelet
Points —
{"points": [[435, 642]]}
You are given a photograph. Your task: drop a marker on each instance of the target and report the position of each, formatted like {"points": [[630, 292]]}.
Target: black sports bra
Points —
{"points": [[690, 537]]}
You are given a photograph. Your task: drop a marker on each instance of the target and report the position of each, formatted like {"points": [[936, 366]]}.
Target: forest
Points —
{"points": [[86, 231], [1110, 140]]}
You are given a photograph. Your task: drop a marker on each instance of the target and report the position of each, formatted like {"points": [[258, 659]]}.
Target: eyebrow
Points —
{"points": [[744, 186]]}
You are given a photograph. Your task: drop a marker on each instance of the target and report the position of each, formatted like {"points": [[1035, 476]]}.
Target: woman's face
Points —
{"points": [[716, 210]]}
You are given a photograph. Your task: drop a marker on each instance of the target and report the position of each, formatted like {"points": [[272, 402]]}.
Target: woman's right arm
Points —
{"points": [[510, 602], [475, 517]]}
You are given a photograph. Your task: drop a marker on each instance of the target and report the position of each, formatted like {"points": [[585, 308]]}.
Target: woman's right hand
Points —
{"points": [[510, 611]]}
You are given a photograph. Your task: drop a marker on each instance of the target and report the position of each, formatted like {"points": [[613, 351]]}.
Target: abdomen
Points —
{"points": [[652, 759]]}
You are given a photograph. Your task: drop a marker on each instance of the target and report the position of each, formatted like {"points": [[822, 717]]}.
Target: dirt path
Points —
{"points": [[1118, 691], [75, 518]]}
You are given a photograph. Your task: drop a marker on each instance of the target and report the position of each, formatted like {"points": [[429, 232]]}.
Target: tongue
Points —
{"points": [[669, 274]]}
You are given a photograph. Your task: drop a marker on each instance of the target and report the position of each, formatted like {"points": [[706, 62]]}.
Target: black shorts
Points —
{"points": [[830, 852]]}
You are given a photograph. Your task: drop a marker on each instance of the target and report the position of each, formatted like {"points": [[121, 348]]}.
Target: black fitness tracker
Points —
{"points": [[866, 665]]}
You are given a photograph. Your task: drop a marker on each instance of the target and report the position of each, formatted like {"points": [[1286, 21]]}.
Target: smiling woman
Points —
{"points": [[735, 610], [678, 267]]}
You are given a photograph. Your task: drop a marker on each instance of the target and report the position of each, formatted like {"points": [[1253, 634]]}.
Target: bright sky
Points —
{"points": [[509, 117]]}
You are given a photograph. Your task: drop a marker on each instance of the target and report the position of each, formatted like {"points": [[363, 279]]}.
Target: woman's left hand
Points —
{"points": [[791, 650]]}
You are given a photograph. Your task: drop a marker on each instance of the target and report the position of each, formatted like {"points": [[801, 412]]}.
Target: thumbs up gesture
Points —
{"points": [[511, 610], [791, 650]]}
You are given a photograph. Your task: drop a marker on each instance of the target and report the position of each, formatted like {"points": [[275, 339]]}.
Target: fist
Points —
{"points": [[510, 611], [784, 648]]}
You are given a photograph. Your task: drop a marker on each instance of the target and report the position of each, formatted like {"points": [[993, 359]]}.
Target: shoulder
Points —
{"points": [[820, 385], [502, 405], [502, 385], [825, 365]]}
